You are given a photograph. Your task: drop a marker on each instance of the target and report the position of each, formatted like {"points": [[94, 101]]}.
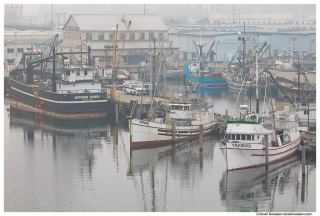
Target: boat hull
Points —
{"points": [[243, 156], [62, 106], [150, 134], [216, 81]]}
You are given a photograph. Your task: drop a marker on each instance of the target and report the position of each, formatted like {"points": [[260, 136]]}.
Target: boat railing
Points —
{"points": [[199, 105], [285, 124], [78, 78], [79, 91]]}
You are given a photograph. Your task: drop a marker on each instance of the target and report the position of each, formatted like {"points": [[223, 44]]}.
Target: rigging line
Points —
{"points": [[235, 108], [245, 156]]}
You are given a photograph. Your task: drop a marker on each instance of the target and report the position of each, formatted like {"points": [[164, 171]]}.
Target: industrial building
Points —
{"points": [[98, 30]]}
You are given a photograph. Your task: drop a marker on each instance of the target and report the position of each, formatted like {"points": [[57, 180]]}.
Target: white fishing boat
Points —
{"points": [[260, 137], [182, 122]]}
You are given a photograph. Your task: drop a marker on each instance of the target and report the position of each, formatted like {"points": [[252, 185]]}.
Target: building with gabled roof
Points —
{"points": [[97, 31]]}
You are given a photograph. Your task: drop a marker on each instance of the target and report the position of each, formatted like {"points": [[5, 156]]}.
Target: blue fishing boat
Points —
{"points": [[205, 76]]}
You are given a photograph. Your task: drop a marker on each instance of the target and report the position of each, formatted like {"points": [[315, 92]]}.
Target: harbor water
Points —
{"points": [[87, 166]]}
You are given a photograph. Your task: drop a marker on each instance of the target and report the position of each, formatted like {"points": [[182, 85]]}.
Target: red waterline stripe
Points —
{"points": [[274, 161], [276, 153], [273, 148]]}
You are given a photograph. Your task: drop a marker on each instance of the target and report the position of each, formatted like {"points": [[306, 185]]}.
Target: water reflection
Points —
{"points": [[246, 190], [151, 168], [70, 138]]}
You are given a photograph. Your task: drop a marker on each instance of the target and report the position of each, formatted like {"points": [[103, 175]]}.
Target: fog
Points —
{"points": [[31, 14]]}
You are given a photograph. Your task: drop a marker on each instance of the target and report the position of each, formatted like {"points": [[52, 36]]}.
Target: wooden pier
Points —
{"points": [[131, 105], [310, 141]]}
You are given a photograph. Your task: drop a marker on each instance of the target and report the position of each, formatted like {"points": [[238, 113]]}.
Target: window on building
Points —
{"points": [[306, 112], [151, 36], [88, 36], [78, 72], [10, 61], [110, 36], [85, 72], [122, 36], [160, 35], [20, 50], [10, 50], [132, 36], [100, 36], [141, 36], [68, 73]]}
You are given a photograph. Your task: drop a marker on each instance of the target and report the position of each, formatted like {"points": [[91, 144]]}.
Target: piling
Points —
{"points": [[201, 138], [173, 130], [303, 159], [267, 149], [131, 159], [116, 107]]}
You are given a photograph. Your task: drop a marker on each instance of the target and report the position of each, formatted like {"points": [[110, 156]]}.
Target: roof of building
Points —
{"points": [[128, 45], [106, 22]]}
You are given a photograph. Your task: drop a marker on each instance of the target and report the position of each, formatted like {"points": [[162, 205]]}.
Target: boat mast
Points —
{"points": [[153, 80], [244, 46], [257, 95]]}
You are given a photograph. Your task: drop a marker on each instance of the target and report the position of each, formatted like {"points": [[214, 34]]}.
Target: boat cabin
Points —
{"points": [[182, 106], [78, 80]]}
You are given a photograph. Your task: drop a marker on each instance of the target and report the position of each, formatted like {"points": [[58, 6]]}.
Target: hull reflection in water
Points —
{"points": [[160, 172], [244, 190], [81, 135]]}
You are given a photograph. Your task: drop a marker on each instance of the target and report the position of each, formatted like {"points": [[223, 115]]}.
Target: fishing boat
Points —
{"points": [[187, 113], [183, 121], [198, 72], [261, 137], [76, 95], [205, 76]]}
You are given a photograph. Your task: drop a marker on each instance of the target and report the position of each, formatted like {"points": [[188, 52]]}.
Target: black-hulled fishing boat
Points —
{"points": [[76, 94]]}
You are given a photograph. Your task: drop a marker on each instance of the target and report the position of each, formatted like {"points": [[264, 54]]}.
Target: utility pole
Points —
{"points": [[52, 14]]}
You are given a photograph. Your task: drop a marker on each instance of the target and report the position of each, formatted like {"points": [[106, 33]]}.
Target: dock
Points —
{"points": [[310, 141], [126, 105]]}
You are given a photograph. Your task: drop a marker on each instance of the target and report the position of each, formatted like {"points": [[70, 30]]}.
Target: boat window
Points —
{"points": [[78, 72], [248, 137], [238, 137], [233, 136], [85, 72], [243, 137], [68, 73]]}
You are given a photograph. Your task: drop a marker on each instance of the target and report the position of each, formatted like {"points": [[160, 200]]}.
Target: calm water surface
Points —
{"points": [[55, 165]]}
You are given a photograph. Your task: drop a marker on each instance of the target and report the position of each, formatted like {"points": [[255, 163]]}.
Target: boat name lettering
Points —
{"points": [[241, 145], [80, 97], [86, 97], [143, 122]]}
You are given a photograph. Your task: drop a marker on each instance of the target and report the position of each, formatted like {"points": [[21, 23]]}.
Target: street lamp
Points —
{"points": [[217, 51]]}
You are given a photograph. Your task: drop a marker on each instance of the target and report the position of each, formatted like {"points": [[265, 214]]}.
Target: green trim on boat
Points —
{"points": [[243, 122]]}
